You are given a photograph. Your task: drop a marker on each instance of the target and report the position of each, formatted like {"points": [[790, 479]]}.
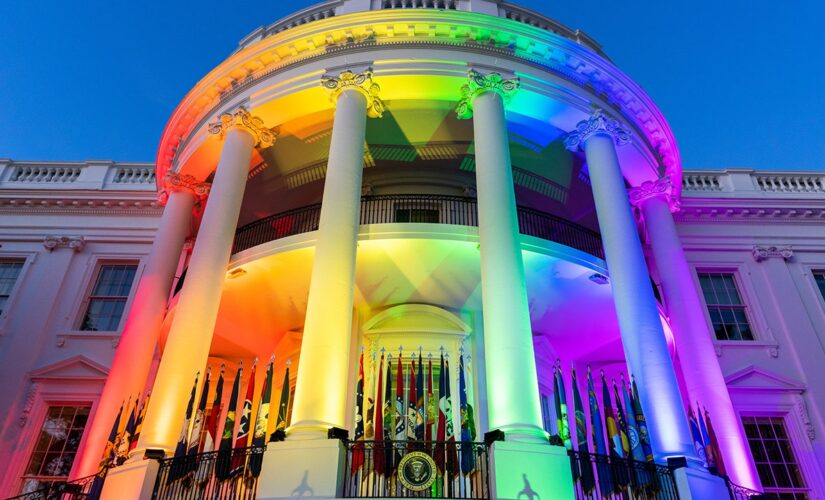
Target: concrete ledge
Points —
{"points": [[311, 469], [534, 470], [134, 480]]}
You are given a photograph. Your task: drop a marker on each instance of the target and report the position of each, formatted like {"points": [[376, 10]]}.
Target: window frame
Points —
{"points": [[91, 280], [787, 425], [819, 271], [14, 293], [743, 298]]}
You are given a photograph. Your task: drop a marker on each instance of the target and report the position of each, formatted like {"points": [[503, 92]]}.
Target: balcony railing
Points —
{"points": [[433, 209], [215, 475], [602, 477], [88, 487], [455, 470]]}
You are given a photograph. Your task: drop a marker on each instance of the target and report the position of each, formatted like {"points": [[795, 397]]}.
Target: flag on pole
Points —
{"points": [[389, 421], [710, 452], [452, 452], [242, 438], [597, 430], [432, 403], [468, 425], [696, 434], [261, 421], [412, 402], [181, 448], [223, 466], [378, 450], [358, 450], [621, 421], [197, 425], [720, 464], [585, 467], [211, 436], [564, 428], [139, 423], [107, 458], [557, 402], [400, 412], [441, 429], [283, 405], [641, 422], [636, 451], [124, 443], [614, 440], [421, 416]]}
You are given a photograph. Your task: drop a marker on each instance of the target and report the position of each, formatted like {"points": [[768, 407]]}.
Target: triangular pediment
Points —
{"points": [[759, 379], [74, 368]]}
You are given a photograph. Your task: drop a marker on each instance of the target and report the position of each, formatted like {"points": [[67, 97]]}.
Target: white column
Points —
{"points": [[643, 338], [190, 335], [694, 346], [130, 367], [321, 386], [510, 363]]}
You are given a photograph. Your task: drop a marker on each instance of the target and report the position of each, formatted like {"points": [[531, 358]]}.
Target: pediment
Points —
{"points": [[74, 368], [759, 379], [416, 318]]}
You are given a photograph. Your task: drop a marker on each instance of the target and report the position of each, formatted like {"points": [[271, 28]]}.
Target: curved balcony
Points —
{"points": [[410, 208]]}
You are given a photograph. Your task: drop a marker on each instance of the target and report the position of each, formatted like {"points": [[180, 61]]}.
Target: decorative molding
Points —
{"points": [[598, 123], [77, 244], [481, 84], [749, 211], [651, 189], [242, 119], [761, 253], [31, 396], [361, 82], [770, 348], [173, 182], [802, 411]]}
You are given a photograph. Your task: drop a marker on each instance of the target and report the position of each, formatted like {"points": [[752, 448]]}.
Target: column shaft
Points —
{"points": [[323, 368], [190, 336], [643, 338], [702, 374], [512, 383], [133, 358]]}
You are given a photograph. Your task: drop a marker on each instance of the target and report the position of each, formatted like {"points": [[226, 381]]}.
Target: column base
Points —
{"points": [[533, 470], [307, 468], [131, 480], [699, 484]]}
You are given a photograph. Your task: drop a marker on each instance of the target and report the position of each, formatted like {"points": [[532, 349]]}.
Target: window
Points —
{"points": [[774, 457], [108, 297], [727, 312], [819, 277], [9, 271], [56, 446]]}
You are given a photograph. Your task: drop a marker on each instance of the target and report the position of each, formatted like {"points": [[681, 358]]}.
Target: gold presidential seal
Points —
{"points": [[416, 471]]}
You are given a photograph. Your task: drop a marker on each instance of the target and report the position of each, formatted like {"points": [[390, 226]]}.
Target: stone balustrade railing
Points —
{"points": [[94, 175], [749, 182]]}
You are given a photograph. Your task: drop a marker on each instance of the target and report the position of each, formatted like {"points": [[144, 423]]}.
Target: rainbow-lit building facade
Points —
{"points": [[368, 177]]}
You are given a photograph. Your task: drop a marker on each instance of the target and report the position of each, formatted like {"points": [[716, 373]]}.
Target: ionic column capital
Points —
{"points": [[241, 118], [480, 84], [598, 123], [362, 82], [661, 187], [186, 183], [761, 253]]}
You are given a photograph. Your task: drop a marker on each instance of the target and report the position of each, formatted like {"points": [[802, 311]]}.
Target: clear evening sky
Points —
{"points": [[742, 83]]}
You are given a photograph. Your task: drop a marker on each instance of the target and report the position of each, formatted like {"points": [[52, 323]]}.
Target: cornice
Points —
{"points": [[750, 211], [382, 29], [144, 205]]}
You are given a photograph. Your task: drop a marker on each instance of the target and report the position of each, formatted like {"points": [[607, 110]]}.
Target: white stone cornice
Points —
{"points": [[240, 118], [362, 82], [661, 187], [761, 253], [480, 83], [75, 243], [750, 211], [598, 123]]}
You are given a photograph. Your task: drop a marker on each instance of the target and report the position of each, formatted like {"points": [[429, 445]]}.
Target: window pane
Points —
{"points": [[9, 271], [108, 298], [820, 282], [60, 434], [774, 457]]}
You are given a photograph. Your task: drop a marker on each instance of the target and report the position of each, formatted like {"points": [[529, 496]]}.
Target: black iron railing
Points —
{"points": [[371, 470], [434, 209], [741, 493], [215, 475], [602, 477], [88, 487]]}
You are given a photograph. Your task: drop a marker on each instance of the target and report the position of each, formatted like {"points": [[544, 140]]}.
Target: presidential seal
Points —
{"points": [[416, 471]]}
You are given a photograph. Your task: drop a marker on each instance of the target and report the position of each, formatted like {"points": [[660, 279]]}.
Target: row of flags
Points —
{"points": [[620, 433], [399, 422]]}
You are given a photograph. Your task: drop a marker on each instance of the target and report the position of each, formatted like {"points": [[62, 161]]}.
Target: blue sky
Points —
{"points": [[741, 82]]}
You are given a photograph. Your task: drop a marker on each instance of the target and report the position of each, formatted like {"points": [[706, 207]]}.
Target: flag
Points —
{"points": [[197, 426], [283, 405], [636, 451], [585, 467], [358, 450], [720, 464], [181, 448], [449, 434], [400, 413], [124, 443], [412, 401], [441, 429], [564, 427], [432, 404], [389, 421], [421, 412], [223, 467], [557, 402], [262, 421], [614, 440], [139, 423], [211, 436], [644, 437], [696, 434], [242, 437], [378, 449], [107, 458], [621, 422], [710, 452], [468, 425], [597, 430]]}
